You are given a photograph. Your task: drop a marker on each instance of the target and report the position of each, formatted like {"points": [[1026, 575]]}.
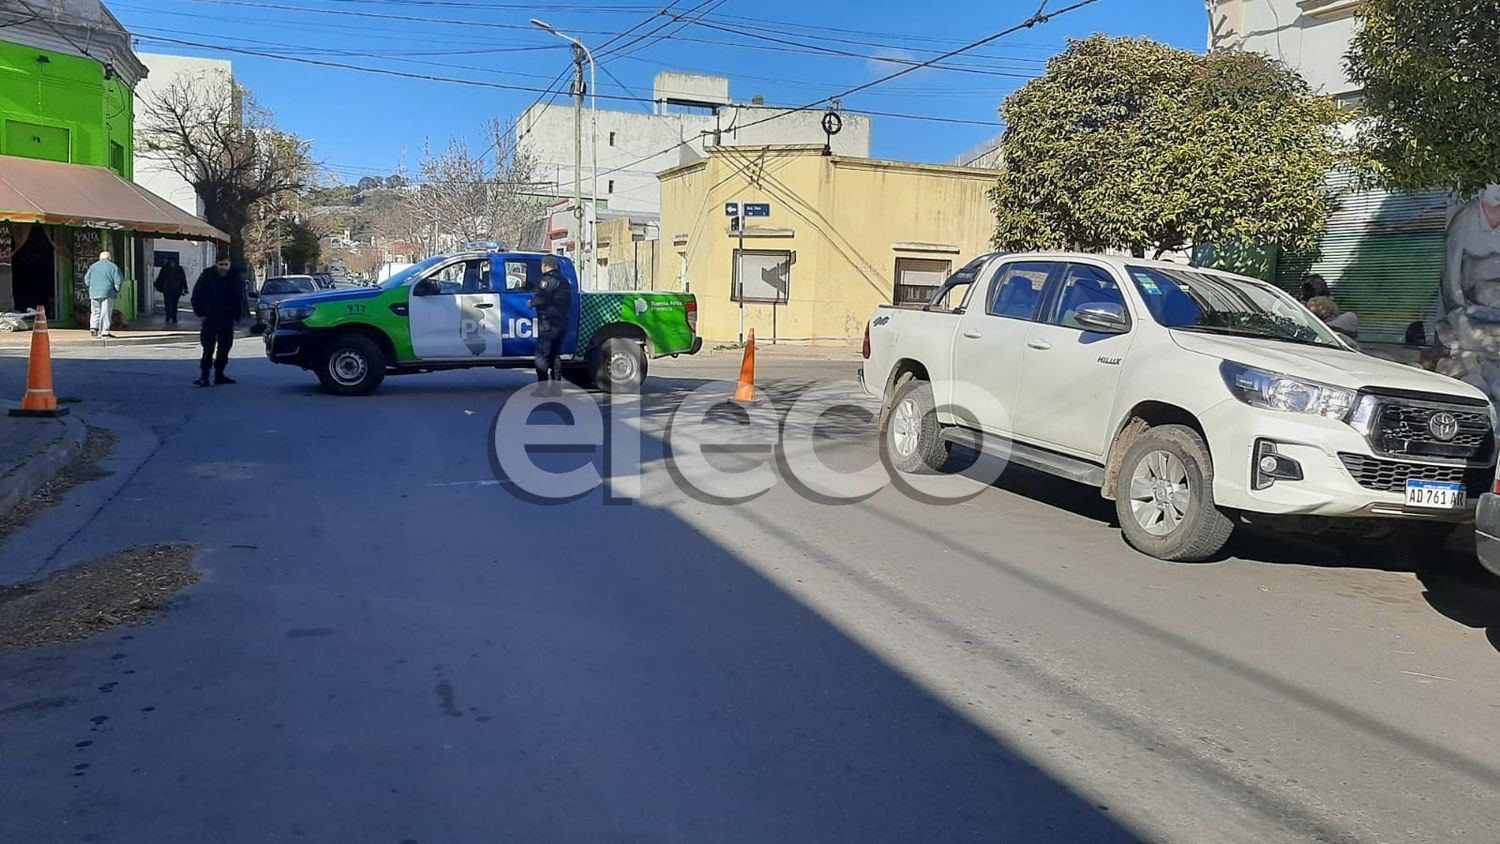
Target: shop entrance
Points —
{"points": [[33, 273]]}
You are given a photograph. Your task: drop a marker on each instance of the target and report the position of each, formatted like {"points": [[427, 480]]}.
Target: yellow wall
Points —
{"points": [[624, 262], [847, 220]]}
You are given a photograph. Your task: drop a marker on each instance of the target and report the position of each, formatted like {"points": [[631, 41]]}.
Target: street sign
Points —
{"points": [[731, 209], [757, 209]]}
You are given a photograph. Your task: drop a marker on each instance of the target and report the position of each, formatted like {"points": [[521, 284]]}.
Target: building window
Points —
{"points": [[117, 158], [611, 185], [763, 275], [917, 279], [611, 138]]}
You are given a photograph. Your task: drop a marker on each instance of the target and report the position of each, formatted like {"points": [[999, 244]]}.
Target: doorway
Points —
{"points": [[33, 273]]}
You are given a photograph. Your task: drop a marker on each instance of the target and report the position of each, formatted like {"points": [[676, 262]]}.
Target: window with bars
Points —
{"points": [[763, 275], [917, 279]]}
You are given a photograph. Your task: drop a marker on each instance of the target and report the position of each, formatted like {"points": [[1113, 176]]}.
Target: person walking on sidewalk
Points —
{"points": [[553, 301], [216, 301], [171, 283], [104, 281]]}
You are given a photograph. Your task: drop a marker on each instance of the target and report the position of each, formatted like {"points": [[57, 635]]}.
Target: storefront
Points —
{"points": [[55, 218]]}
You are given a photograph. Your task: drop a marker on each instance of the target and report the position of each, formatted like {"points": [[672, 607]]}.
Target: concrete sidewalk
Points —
{"points": [[149, 330], [782, 351], [33, 451]]}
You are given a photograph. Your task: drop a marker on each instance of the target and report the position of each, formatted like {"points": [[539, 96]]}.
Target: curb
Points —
{"points": [[21, 484]]}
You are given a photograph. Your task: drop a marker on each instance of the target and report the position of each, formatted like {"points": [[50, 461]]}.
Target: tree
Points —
{"points": [[368, 183], [1128, 143], [1430, 77], [463, 197], [300, 247], [213, 134]]}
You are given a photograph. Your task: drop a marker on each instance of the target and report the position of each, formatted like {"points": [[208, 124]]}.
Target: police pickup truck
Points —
{"points": [[473, 309]]}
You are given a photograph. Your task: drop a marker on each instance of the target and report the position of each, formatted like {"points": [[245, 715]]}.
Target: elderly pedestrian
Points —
{"points": [[104, 280]]}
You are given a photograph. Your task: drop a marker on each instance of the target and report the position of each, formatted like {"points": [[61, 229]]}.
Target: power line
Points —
{"points": [[1041, 16]]}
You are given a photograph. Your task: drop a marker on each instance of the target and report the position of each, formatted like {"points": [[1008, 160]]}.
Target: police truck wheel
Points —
{"points": [[619, 365], [351, 365], [1165, 502]]}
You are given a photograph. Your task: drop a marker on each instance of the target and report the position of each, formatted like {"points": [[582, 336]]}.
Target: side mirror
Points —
{"points": [[1103, 317], [425, 287], [253, 294]]}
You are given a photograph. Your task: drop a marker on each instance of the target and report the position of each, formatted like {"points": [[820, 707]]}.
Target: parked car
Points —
{"points": [[473, 309], [323, 280], [278, 289], [1487, 529], [1188, 396]]}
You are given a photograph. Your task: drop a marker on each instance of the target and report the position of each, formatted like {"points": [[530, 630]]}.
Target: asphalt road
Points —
{"points": [[392, 645]]}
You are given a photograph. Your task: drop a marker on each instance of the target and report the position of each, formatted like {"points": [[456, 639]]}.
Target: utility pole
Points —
{"points": [[578, 239]]}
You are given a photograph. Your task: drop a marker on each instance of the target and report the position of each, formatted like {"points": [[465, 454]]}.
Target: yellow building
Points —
{"points": [[843, 235]]}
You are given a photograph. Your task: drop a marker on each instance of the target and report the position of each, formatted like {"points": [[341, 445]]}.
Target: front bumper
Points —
{"points": [[1329, 486], [287, 345], [1487, 532]]}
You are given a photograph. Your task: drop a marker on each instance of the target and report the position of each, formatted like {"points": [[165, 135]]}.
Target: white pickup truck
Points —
{"points": [[1191, 397]]}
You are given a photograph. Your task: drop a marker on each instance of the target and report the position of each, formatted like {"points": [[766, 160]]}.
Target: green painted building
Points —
{"points": [[67, 117]]}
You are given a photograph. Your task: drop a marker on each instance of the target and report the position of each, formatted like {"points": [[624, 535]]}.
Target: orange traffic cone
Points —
{"points": [[745, 392], [39, 400]]}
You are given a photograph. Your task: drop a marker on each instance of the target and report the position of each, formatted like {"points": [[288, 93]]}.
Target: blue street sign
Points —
{"points": [[757, 209], [731, 209]]}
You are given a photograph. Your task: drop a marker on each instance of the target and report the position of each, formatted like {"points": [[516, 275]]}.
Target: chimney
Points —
{"points": [[757, 100]]}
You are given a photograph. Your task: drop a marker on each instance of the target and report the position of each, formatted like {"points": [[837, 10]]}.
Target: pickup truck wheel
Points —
{"points": [[619, 365], [913, 437], [1165, 504], [351, 365]]}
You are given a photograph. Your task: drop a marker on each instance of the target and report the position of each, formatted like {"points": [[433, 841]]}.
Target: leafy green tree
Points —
{"points": [[300, 247], [1431, 76], [1128, 143]]}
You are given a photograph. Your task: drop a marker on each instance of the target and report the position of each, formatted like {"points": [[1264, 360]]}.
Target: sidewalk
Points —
{"points": [[782, 351], [33, 451], [149, 330]]}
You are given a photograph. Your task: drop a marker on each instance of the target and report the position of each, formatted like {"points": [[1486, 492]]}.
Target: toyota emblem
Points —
{"points": [[1444, 426]]}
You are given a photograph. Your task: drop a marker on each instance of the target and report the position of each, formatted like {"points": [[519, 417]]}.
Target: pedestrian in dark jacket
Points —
{"points": [[171, 283], [216, 301], [553, 301]]}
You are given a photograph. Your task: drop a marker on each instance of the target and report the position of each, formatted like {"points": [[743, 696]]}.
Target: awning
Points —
{"points": [[55, 193]]}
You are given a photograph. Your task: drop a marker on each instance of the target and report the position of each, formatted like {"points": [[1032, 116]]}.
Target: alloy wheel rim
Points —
{"points": [[1160, 494], [905, 427], [621, 367]]}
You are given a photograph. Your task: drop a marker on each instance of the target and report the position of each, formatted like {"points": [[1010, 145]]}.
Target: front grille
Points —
{"points": [[1400, 426], [1392, 475]]}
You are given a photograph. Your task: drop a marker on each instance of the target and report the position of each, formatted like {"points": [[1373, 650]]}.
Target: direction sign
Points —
{"points": [[731, 209], [757, 209]]}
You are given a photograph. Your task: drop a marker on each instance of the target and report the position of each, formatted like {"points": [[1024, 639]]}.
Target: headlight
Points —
{"points": [[1274, 391], [293, 313]]}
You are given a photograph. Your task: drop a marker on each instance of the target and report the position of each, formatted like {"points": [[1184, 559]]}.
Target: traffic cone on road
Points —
{"points": [[745, 392], [40, 400]]}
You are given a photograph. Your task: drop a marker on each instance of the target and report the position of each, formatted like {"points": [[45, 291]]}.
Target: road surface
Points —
{"points": [[390, 645]]}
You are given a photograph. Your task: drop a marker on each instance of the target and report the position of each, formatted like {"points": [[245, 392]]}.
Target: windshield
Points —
{"points": [[277, 286], [1189, 300], [410, 272]]}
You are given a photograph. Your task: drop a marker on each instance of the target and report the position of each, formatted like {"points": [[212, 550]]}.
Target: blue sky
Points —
{"points": [[365, 123]]}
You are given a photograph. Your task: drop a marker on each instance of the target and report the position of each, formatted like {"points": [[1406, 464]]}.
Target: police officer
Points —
{"points": [[553, 302], [216, 301]]}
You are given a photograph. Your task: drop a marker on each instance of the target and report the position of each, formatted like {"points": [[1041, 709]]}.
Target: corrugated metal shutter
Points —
{"points": [[1382, 256]]}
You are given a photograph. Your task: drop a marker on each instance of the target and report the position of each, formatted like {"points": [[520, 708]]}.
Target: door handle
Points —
{"points": [[485, 305], [1039, 345], [972, 334]]}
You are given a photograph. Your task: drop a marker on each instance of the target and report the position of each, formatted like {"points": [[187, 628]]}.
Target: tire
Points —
{"points": [[1162, 469], [618, 365], [579, 376], [351, 365], [912, 435]]}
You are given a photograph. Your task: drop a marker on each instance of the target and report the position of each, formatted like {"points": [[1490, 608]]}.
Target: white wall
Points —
{"points": [[547, 133], [160, 179], [1310, 36]]}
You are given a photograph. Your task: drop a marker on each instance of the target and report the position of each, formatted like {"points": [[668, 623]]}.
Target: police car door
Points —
{"points": [[517, 318], [454, 312]]}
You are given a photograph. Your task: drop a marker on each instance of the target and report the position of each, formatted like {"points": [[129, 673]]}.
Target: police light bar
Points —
{"points": [[486, 246]]}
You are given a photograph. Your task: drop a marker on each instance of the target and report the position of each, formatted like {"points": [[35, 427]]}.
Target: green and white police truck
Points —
{"points": [[472, 309]]}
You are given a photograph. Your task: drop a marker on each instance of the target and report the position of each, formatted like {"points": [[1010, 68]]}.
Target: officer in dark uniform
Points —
{"points": [[216, 300], [553, 301]]}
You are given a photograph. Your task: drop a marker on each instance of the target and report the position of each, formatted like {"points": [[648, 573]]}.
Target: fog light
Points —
{"points": [[1272, 466]]}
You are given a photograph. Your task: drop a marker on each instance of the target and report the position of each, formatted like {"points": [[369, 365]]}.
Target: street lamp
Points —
{"points": [[579, 53]]}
